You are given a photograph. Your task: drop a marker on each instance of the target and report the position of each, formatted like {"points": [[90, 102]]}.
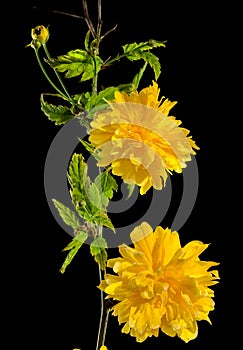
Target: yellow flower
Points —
{"points": [[40, 34], [138, 138], [160, 285], [103, 347]]}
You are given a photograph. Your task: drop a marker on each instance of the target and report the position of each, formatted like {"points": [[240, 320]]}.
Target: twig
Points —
{"points": [[99, 22], [108, 32], [105, 311], [87, 19], [68, 14], [61, 13]]}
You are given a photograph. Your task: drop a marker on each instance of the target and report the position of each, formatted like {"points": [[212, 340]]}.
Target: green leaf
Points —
{"points": [[94, 197], [73, 248], [82, 98], [98, 251], [106, 185], [99, 101], [138, 76], [86, 41], [91, 103], [90, 148], [77, 63], [130, 188], [90, 69], [85, 195], [156, 43], [77, 171], [153, 61], [102, 219], [77, 241], [139, 51], [133, 48], [58, 114], [67, 215], [79, 182], [150, 58]]}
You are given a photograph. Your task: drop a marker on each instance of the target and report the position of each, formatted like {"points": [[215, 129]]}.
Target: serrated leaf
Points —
{"points": [[77, 63], [153, 61], [99, 242], [90, 148], [138, 76], [82, 98], [98, 251], [150, 58], [86, 41], [77, 241], [131, 49], [79, 183], [67, 215], [58, 114], [156, 43], [98, 101], [94, 196], [102, 219], [77, 171], [74, 247], [106, 185], [136, 51], [85, 195]]}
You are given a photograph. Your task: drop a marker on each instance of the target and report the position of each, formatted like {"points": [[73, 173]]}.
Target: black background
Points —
{"points": [[52, 311]]}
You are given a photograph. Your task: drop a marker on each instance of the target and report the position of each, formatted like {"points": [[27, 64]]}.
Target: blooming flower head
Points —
{"points": [[138, 138], [160, 285]]}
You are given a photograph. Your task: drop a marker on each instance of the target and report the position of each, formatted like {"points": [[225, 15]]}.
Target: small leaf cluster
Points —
{"points": [[86, 64], [90, 201]]}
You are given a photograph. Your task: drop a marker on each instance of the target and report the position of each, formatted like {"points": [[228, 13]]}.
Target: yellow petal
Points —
{"points": [[103, 347], [161, 285], [167, 244]]}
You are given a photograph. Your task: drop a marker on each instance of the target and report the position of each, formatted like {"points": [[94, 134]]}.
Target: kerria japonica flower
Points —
{"points": [[160, 285], [40, 33], [138, 138]]}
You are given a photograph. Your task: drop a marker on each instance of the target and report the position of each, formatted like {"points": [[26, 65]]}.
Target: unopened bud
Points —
{"points": [[40, 34]]}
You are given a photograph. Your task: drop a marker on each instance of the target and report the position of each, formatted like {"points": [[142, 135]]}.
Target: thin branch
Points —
{"points": [[68, 14], [87, 19], [61, 13], [108, 32], [58, 76], [46, 75], [105, 311], [99, 22]]}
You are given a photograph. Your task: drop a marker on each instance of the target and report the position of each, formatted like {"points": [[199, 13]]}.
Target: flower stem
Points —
{"points": [[58, 76], [46, 75], [104, 316]]}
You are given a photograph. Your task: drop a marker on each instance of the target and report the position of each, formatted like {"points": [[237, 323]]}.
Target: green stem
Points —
{"points": [[118, 57], [104, 316], [46, 75], [58, 76], [95, 80]]}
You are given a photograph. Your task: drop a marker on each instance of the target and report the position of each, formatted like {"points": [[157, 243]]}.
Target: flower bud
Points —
{"points": [[40, 34]]}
